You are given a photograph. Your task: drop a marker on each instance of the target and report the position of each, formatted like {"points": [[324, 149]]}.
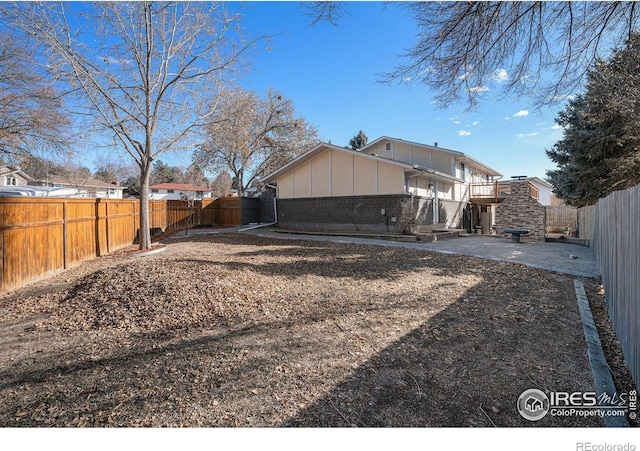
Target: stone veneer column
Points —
{"points": [[520, 210]]}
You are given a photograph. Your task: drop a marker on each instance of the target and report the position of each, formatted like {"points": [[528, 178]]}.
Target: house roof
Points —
{"points": [[321, 147], [36, 191], [89, 183], [181, 187], [9, 170], [540, 181], [459, 156]]}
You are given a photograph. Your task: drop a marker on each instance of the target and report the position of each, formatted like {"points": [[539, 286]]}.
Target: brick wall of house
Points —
{"points": [[403, 214], [341, 214], [520, 210]]}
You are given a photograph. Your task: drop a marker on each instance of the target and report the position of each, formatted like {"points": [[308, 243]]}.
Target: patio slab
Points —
{"points": [[560, 257]]}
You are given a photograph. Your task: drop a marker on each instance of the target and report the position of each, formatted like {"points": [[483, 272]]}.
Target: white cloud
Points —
{"points": [[521, 113], [475, 123], [479, 89], [540, 124], [556, 127], [500, 75], [507, 118], [464, 133], [457, 122], [525, 135]]}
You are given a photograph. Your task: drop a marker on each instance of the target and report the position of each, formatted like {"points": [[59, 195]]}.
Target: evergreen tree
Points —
{"points": [[599, 150], [358, 141]]}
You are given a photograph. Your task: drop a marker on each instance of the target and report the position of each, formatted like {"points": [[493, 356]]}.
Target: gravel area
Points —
{"points": [[238, 330]]}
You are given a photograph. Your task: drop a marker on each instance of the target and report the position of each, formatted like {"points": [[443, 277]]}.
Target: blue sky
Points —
{"points": [[332, 74]]}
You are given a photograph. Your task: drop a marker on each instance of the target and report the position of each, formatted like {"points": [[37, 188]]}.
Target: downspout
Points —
{"points": [[275, 214]]}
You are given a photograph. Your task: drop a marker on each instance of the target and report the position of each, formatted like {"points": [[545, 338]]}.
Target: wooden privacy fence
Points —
{"points": [[560, 217], [39, 236], [613, 229]]}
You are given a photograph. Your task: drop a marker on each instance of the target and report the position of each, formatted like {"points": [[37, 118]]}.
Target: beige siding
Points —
{"points": [[420, 186], [285, 186], [342, 174], [441, 161], [364, 176], [402, 152], [380, 149], [421, 156], [445, 191], [301, 181], [390, 179], [321, 175]]}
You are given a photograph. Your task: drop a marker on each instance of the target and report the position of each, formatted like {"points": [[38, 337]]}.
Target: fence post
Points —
{"points": [[106, 219], [97, 229], [65, 240], [2, 249]]}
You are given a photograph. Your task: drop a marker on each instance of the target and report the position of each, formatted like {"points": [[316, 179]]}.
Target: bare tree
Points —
{"points": [[541, 49], [221, 185], [144, 70], [251, 136], [330, 12], [32, 118]]}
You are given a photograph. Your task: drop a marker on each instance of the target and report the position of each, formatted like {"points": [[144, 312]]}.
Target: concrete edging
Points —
{"points": [[151, 252], [599, 366]]}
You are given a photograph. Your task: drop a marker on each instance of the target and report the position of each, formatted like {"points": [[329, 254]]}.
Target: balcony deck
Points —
{"points": [[494, 192]]}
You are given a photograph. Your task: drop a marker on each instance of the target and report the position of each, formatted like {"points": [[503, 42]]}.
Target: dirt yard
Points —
{"points": [[242, 331]]}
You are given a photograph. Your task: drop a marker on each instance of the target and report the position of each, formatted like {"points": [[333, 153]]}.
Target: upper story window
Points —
{"points": [[10, 181], [171, 191], [388, 147], [154, 190], [463, 171]]}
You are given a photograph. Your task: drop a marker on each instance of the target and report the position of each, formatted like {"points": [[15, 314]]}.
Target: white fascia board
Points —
{"points": [[437, 174]]}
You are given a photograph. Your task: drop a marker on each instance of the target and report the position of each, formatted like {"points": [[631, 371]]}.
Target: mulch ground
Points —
{"points": [[236, 330]]}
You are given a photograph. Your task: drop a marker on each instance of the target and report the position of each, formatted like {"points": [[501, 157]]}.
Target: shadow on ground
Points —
{"points": [[350, 336]]}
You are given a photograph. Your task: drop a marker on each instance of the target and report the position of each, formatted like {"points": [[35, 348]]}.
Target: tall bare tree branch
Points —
{"points": [[540, 49]]}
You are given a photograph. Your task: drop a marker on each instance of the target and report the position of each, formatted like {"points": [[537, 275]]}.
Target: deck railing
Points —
{"points": [[490, 190], [496, 190]]}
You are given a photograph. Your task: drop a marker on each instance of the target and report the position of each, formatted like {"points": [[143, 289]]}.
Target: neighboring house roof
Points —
{"points": [[459, 156], [181, 187], [89, 183], [10, 170], [540, 181], [36, 191]]}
